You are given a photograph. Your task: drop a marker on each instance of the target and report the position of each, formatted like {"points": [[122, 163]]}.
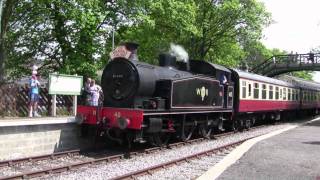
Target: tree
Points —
{"points": [[210, 30], [60, 36], [225, 24], [74, 36], [6, 8], [157, 23]]}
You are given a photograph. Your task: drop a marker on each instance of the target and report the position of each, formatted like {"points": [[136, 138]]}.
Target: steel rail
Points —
{"points": [[68, 167], [149, 170], [38, 158]]}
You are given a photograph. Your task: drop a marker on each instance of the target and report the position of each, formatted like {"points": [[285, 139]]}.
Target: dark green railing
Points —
{"points": [[286, 63]]}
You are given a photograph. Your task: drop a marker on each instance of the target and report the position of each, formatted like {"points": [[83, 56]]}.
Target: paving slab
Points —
{"points": [[294, 154]]}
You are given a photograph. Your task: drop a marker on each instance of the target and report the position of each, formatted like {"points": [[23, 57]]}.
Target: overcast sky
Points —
{"points": [[296, 26]]}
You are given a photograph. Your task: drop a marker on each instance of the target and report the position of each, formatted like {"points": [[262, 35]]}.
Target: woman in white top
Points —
{"points": [[95, 93]]}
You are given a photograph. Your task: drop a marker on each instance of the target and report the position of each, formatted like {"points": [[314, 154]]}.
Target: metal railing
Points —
{"points": [[285, 63]]}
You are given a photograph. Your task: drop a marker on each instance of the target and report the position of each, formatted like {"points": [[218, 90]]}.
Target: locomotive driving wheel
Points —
{"points": [[159, 139], [187, 129], [187, 132], [206, 130]]}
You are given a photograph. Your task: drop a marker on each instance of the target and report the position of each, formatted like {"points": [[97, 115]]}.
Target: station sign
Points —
{"points": [[65, 84]]}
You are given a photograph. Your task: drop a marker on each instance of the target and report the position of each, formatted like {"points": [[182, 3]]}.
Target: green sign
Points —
{"points": [[65, 84]]}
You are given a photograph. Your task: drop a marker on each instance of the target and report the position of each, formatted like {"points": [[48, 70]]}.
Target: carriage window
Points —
{"points": [[249, 90], [309, 97], [293, 94], [277, 93], [264, 91], [256, 91], [298, 95], [313, 96], [284, 93], [280, 95], [289, 94], [270, 92], [244, 89]]}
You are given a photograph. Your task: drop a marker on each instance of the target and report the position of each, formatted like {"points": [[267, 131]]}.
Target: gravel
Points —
{"points": [[38, 165], [187, 171]]}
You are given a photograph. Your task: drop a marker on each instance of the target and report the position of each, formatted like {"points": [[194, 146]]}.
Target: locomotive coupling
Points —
{"points": [[123, 123]]}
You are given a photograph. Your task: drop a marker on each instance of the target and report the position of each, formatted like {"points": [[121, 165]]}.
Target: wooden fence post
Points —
{"points": [[54, 105], [74, 105]]}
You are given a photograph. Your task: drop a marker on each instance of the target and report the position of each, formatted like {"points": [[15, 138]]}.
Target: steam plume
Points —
{"points": [[180, 53]]}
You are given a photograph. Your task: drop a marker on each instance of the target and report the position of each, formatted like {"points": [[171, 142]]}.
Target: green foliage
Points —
{"points": [[60, 36], [158, 24], [74, 37]]}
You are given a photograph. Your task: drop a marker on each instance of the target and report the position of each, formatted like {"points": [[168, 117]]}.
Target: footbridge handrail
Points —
{"points": [[285, 63]]}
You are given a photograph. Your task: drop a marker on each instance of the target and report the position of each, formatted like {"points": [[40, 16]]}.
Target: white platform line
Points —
{"points": [[37, 121]]}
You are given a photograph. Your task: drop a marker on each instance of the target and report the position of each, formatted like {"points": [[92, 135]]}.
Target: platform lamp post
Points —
{"points": [[113, 29], [1, 5]]}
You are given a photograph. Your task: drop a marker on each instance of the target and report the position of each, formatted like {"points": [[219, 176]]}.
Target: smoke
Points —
{"points": [[180, 53]]}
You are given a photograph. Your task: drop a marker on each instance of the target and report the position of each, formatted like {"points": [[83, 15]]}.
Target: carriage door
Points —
{"points": [[249, 88]]}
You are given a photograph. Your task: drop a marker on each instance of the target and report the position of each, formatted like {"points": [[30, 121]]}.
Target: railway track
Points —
{"points": [[108, 158], [150, 170], [39, 158]]}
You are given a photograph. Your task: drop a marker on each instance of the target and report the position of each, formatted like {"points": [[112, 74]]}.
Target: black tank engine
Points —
{"points": [[172, 85], [144, 102]]}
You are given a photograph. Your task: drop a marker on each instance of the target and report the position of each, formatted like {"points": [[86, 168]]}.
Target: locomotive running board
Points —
{"points": [[183, 112]]}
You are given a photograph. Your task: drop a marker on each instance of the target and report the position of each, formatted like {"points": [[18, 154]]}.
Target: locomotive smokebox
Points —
{"points": [[167, 60]]}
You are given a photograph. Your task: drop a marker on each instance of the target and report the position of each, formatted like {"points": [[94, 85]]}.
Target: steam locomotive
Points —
{"points": [[181, 99]]}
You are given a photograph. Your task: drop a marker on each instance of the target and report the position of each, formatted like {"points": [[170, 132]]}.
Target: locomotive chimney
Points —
{"points": [[181, 55], [167, 60], [133, 48]]}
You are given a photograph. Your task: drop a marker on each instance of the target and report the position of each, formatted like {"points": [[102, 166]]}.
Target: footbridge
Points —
{"points": [[287, 63]]}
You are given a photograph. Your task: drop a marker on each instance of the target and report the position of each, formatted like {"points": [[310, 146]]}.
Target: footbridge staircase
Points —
{"points": [[286, 63]]}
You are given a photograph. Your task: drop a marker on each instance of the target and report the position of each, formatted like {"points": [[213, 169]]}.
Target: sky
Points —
{"points": [[296, 26]]}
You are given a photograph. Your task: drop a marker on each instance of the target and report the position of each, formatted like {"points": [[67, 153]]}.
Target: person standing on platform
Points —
{"points": [[95, 93], [87, 93], [34, 85]]}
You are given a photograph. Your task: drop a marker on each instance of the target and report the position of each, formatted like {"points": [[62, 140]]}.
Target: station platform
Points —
{"points": [[291, 154], [4, 122], [24, 137]]}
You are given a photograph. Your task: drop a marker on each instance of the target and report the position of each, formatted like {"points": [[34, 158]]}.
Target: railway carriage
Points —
{"points": [[260, 98], [309, 93]]}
